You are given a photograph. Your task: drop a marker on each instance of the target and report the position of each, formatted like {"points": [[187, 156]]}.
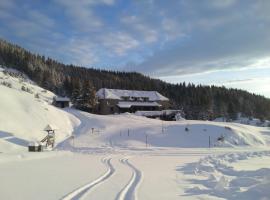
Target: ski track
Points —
{"points": [[81, 191], [129, 192]]}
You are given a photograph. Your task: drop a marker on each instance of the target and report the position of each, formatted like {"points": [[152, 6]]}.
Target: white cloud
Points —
{"points": [[251, 79], [231, 38], [6, 4], [221, 3], [119, 42], [255, 85], [79, 51], [40, 18], [150, 35], [139, 27], [5, 9], [107, 2], [81, 13], [172, 29], [34, 24], [159, 38]]}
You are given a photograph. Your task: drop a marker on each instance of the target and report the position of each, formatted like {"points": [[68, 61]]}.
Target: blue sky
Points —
{"points": [[221, 42]]}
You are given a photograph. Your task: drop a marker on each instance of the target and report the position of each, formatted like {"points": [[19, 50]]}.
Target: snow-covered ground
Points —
{"points": [[127, 131], [124, 156], [23, 116], [246, 120], [244, 175]]}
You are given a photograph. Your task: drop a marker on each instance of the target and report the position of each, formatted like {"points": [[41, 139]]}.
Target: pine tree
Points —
{"points": [[88, 96], [232, 111]]}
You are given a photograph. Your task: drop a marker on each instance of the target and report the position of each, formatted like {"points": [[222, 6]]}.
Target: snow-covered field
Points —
{"points": [[125, 156], [244, 175], [246, 120]]}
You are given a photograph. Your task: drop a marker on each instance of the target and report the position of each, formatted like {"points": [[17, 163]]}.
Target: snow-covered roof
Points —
{"points": [[56, 98], [34, 143], [128, 104], [156, 112], [50, 128], [105, 93]]}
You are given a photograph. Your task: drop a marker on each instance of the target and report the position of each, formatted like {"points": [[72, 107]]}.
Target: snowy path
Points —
{"points": [[148, 175], [82, 191], [122, 185], [130, 190]]}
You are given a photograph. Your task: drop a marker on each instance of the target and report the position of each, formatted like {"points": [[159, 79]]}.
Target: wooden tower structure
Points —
{"points": [[49, 140]]}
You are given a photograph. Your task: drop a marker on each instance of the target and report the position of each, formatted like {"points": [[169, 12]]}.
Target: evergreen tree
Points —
{"points": [[232, 113], [88, 96]]}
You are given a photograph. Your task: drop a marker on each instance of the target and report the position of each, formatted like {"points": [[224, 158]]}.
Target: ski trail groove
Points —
{"points": [[79, 192], [129, 192]]}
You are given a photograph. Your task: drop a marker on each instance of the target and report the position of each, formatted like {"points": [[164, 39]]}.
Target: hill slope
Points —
{"points": [[23, 116], [198, 102]]}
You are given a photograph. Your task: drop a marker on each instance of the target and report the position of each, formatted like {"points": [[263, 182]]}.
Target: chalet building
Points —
{"points": [[61, 102], [119, 101]]}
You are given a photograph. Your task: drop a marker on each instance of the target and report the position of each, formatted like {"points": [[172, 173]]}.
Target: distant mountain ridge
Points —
{"points": [[197, 102]]}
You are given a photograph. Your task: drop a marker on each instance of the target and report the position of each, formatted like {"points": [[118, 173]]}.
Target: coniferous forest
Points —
{"points": [[197, 102]]}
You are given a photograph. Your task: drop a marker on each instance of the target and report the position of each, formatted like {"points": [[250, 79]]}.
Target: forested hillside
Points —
{"points": [[197, 102]]}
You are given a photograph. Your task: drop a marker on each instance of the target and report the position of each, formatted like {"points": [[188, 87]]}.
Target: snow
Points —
{"points": [[228, 176], [50, 128], [247, 120], [47, 178], [128, 104], [158, 113], [57, 98], [108, 156], [34, 143], [24, 117], [105, 93], [130, 131]]}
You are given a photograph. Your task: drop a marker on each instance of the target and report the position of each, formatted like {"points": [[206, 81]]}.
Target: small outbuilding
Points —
{"points": [[35, 147], [61, 102]]}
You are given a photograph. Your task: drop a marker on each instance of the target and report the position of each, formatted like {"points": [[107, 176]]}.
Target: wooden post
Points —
{"points": [[72, 137], [120, 133], [53, 139], [92, 130], [209, 142], [128, 132]]}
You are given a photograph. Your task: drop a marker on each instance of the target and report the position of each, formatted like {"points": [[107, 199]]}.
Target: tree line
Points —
{"points": [[79, 83]]}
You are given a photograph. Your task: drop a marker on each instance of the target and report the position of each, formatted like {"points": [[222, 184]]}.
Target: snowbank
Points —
{"points": [[231, 176]]}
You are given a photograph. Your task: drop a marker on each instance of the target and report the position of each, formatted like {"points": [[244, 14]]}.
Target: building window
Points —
{"points": [[145, 99], [125, 98]]}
